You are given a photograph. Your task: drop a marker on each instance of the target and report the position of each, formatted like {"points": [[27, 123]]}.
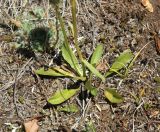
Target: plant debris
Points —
{"points": [[148, 5], [157, 42], [31, 126], [133, 104]]}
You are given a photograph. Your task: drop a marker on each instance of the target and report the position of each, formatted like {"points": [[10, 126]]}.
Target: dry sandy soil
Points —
{"points": [[118, 25]]}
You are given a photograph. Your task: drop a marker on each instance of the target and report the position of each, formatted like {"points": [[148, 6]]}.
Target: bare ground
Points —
{"points": [[118, 25]]}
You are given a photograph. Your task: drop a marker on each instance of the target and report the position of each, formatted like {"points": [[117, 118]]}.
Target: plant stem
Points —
{"points": [[75, 35], [73, 4], [62, 25], [66, 43], [135, 57]]}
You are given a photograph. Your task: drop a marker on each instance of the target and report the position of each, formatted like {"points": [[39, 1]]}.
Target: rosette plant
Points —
{"points": [[81, 69]]}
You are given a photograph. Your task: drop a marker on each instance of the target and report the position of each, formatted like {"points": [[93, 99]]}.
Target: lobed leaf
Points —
{"points": [[62, 95], [121, 62], [113, 96]]}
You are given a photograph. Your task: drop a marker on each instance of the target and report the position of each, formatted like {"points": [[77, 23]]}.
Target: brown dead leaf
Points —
{"points": [[141, 92], [157, 42], [16, 23], [31, 126], [13, 21], [154, 113], [7, 38], [101, 66], [148, 5], [64, 129]]}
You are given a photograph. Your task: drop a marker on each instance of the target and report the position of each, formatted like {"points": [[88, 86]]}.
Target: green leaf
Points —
{"points": [[93, 70], [97, 54], [90, 127], [69, 74], [27, 26], [72, 108], [113, 96], [91, 89], [64, 72], [54, 2], [157, 79], [62, 95], [58, 72], [39, 12], [121, 62], [48, 72], [71, 27], [69, 56], [94, 91], [158, 90]]}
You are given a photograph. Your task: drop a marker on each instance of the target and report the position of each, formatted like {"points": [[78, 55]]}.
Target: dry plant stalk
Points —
{"points": [[148, 5], [13, 21], [157, 42]]}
